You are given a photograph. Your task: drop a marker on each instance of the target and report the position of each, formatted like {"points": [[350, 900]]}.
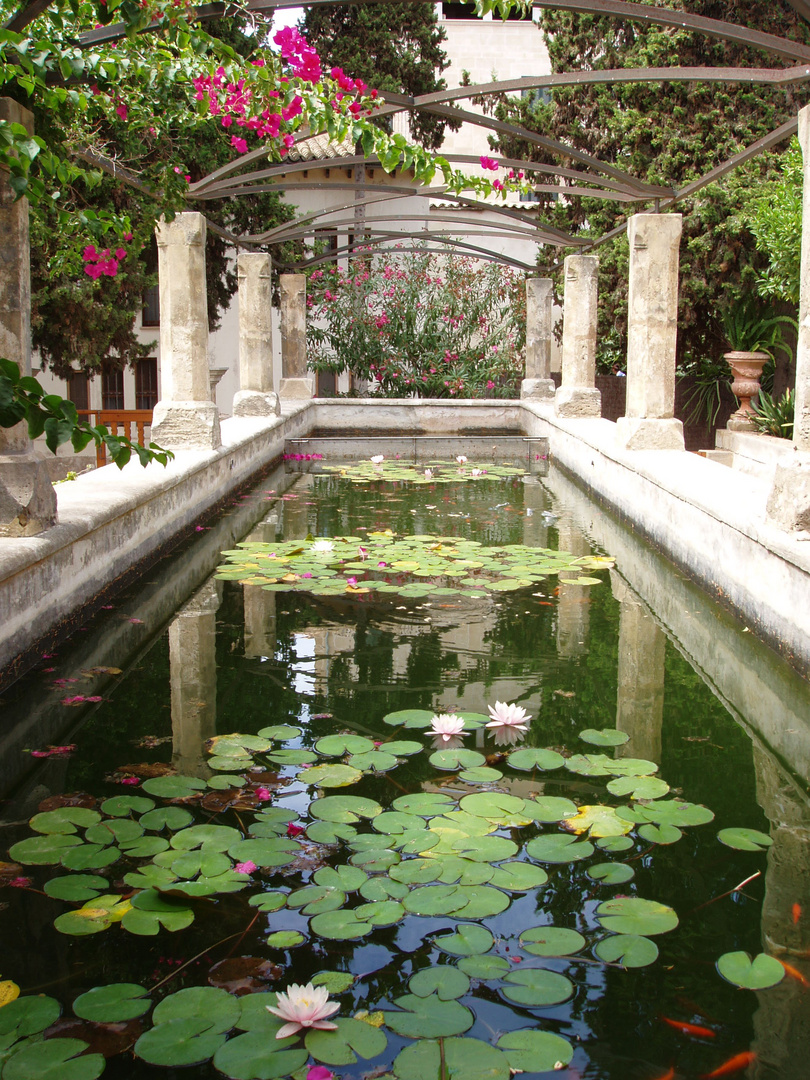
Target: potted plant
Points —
{"points": [[752, 338]]}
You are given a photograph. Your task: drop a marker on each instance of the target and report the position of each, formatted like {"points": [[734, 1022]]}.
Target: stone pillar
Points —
{"points": [[295, 382], [260, 622], [185, 418], [578, 397], [789, 501], [574, 601], [538, 384], [640, 696], [193, 677], [27, 497], [257, 396], [652, 327]]}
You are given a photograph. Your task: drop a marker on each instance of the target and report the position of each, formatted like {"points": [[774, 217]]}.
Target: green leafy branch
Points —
{"points": [[23, 398]]}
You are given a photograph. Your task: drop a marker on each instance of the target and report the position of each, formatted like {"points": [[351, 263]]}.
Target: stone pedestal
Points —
{"points": [[185, 418], [27, 497], [257, 396], [789, 502], [295, 382], [649, 423], [538, 384], [193, 676], [640, 696], [577, 396]]}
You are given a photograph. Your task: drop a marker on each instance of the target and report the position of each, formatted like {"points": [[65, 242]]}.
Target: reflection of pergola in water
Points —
{"points": [[580, 175]]}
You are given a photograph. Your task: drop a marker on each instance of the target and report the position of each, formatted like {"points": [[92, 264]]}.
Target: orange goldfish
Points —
{"points": [[796, 912], [734, 1064], [795, 974], [695, 1031], [668, 1075]]}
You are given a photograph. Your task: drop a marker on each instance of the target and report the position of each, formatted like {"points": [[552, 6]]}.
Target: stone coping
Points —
{"points": [[708, 519]]}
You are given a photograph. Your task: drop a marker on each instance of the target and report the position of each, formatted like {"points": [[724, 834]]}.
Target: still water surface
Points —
{"points": [[728, 724]]}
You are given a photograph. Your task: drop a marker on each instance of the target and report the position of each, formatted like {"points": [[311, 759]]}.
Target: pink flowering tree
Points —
{"points": [[420, 325]]}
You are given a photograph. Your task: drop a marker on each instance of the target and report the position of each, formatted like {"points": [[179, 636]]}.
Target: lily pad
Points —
{"points": [[418, 719], [423, 803], [551, 941], [341, 1047], [75, 887], [456, 758], [54, 1059], [744, 839], [757, 974], [632, 915], [124, 805], [536, 987], [484, 967], [67, 819], [150, 911], [337, 745], [347, 878], [285, 939], [638, 787], [518, 876], [332, 775], [428, 1017], [660, 834], [253, 1056], [533, 1051], [464, 1059], [611, 873], [113, 1003], [334, 981], [344, 808], [342, 925], [558, 848], [43, 850], [179, 1042], [604, 736], [529, 757], [445, 980], [468, 940], [174, 787], [628, 950]]}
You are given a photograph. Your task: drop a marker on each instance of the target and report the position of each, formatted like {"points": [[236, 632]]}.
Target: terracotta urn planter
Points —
{"points": [[746, 368]]}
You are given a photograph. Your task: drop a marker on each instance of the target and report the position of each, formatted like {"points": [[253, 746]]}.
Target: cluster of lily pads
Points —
{"points": [[429, 472], [411, 566], [352, 866]]}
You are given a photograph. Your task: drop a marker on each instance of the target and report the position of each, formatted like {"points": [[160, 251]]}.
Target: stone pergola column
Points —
{"points": [[193, 677], [295, 382], [257, 396], [27, 497], [538, 384], [185, 418], [577, 397], [640, 693], [649, 422], [789, 501]]}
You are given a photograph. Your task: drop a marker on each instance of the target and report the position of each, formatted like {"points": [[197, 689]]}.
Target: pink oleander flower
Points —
{"points": [[508, 716], [303, 1007], [446, 726], [246, 867]]}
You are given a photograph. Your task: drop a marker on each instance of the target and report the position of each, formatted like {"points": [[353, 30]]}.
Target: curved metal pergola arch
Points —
{"points": [[603, 179]]}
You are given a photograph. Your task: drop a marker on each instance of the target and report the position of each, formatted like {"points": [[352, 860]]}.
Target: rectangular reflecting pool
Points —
{"points": [[444, 745]]}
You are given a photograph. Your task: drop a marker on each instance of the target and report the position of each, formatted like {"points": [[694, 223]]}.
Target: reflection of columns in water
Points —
{"points": [[535, 501], [640, 704], [573, 607], [193, 673], [782, 1021], [296, 512], [260, 621]]}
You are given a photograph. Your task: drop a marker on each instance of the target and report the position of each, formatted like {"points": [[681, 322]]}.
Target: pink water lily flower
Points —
{"points": [[447, 726], [303, 1007], [508, 716], [246, 867]]}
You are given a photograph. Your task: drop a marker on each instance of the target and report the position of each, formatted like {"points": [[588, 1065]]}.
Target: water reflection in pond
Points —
{"points": [[642, 653]]}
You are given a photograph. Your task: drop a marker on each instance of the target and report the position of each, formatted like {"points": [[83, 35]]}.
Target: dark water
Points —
{"points": [[726, 721]]}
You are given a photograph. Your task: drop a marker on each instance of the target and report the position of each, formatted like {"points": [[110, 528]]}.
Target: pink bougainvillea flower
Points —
{"points": [[247, 867], [447, 725], [508, 716], [488, 162], [303, 1007]]}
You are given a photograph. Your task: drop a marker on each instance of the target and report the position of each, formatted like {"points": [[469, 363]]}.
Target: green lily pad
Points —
{"points": [[629, 950], [533, 1051], [615, 843], [744, 839], [344, 808], [497, 807], [456, 758], [279, 732], [416, 871], [529, 757], [632, 915], [113, 1003], [484, 967], [329, 832], [43, 850], [604, 736], [341, 1047], [205, 837], [119, 831], [481, 774], [285, 939], [660, 834], [75, 887], [27, 1016], [667, 812], [445, 980], [638, 787], [67, 819], [436, 899], [611, 873], [313, 899], [337, 745], [253, 1056], [347, 878], [757, 974], [383, 888], [124, 805], [225, 782], [549, 808], [334, 981], [402, 747], [179, 1042], [265, 852], [428, 1017], [468, 940], [464, 1059], [54, 1059], [410, 718], [375, 860], [518, 876], [482, 902], [172, 818], [173, 787], [89, 857], [423, 803], [558, 848], [268, 901], [551, 941], [376, 761], [486, 849], [150, 911], [536, 987], [332, 775], [341, 925]]}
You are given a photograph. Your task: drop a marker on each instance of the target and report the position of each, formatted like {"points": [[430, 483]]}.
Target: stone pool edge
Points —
{"points": [[708, 519]]}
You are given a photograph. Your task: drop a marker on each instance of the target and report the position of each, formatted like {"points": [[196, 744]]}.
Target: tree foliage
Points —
{"points": [[666, 134], [393, 46]]}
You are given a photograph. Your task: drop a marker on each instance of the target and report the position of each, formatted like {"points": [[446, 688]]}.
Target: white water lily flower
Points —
{"points": [[476, 472], [428, 474], [508, 736], [322, 547], [460, 458], [447, 742], [378, 459], [303, 1007], [447, 726], [508, 716]]}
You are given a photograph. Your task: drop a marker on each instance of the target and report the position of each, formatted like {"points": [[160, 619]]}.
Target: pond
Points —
{"points": [[251, 797]]}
